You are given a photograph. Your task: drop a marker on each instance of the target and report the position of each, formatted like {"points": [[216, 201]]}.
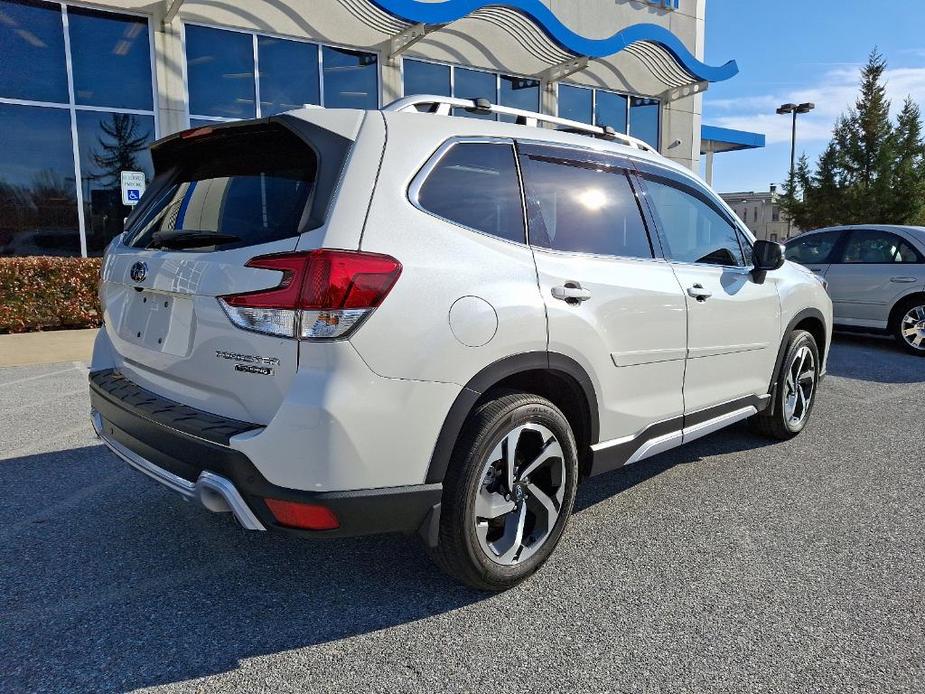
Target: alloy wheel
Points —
{"points": [[799, 387], [912, 327], [520, 494]]}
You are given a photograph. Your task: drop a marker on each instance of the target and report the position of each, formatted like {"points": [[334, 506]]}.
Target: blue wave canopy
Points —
{"points": [[416, 12]]}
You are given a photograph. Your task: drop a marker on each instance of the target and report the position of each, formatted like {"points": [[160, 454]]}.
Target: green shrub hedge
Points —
{"points": [[46, 293]]}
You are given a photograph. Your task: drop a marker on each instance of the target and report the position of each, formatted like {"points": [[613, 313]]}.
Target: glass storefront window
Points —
{"points": [[32, 65], [473, 84], [610, 110], [110, 143], [351, 78], [38, 202], [111, 56], [644, 120], [519, 92], [220, 73], [288, 74], [576, 103], [425, 78]]}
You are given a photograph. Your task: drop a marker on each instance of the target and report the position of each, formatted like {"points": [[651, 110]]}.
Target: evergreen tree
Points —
{"points": [[908, 184], [871, 171]]}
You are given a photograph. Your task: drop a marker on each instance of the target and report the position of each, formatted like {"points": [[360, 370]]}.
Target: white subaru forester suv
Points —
{"points": [[339, 322]]}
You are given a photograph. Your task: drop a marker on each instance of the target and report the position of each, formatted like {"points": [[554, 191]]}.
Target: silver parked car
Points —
{"points": [[876, 277]]}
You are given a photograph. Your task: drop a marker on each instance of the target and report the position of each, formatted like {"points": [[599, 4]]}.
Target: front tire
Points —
{"points": [[508, 492], [909, 327], [795, 393]]}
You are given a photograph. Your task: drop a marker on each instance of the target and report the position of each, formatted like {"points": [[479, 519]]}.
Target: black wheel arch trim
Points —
{"points": [[490, 376], [785, 343]]}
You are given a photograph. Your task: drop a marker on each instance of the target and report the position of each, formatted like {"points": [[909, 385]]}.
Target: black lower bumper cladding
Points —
{"points": [[186, 442]]}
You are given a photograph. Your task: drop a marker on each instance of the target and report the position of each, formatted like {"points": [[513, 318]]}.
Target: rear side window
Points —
{"points": [[475, 184], [878, 247], [815, 249], [244, 190], [582, 204], [693, 229]]}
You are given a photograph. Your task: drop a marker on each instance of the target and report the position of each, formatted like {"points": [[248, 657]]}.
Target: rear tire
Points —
{"points": [[508, 492], [795, 392], [909, 326]]}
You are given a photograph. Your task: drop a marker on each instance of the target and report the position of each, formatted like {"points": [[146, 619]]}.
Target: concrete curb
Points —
{"points": [[29, 349]]}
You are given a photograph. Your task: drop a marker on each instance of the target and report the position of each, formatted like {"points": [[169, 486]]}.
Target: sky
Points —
{"points": [[792, 51]]}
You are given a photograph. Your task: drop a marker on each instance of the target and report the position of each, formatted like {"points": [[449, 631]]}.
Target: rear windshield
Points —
{"points": [[229, 192]]}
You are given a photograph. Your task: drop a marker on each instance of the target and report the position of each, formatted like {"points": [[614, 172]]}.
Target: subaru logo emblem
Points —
{"points": [[139, 271]]}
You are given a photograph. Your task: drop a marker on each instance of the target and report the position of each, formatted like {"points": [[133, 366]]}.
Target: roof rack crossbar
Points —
{"points": [[443, 105]]}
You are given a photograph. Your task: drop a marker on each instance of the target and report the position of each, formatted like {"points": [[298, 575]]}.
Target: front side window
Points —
{"points": [[815, 249], [582, 204], [693, 229], [475, 185], [878, 248]]}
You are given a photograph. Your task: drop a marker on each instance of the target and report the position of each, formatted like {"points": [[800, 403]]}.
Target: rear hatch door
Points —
{"points": [[221, 196]]}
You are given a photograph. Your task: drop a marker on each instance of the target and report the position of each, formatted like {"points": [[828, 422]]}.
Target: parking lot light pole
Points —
{"points": [[795, 109]]}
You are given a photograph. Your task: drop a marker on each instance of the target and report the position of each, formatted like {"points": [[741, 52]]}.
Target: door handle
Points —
{"points": [[903, 280], [571, 293], [699, 293]]}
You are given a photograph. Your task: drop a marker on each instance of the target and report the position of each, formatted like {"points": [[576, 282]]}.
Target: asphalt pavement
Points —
{"points": [[730, 565]]}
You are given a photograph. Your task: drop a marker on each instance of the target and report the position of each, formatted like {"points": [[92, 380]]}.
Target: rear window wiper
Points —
{"points": [[186, 238]]}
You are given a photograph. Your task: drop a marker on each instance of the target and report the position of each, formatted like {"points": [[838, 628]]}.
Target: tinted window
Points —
{"points": [[426, 78], [519, 92], [220, 73], [288, 75], [644, 120], [576, 103], [475, 184], [252, 185], [747, 245], [472, 84], [351, 79], [610, 110], [582, 205], [109, 144], [693, 229], [32, 65], [111, 55], [38, 203], [878, 247], [814, 249]]}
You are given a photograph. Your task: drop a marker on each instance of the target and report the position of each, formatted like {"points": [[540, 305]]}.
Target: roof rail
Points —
{"points": [[442, 105]]}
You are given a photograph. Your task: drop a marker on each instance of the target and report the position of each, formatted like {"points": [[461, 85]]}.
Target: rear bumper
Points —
{"points": [[187, 451]]}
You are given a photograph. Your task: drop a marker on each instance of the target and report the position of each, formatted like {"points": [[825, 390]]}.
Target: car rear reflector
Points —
{"points": [[293, 514]]}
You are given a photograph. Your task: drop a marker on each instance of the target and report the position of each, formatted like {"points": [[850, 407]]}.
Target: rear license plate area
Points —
{"points": [[152, 320]]}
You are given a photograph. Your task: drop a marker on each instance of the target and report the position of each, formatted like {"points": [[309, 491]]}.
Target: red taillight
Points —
{"points": [[196, 132], [293, 514], [322, 294]]}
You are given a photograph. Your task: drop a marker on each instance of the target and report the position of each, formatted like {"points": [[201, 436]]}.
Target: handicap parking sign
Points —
{"points": [[133, 187]]}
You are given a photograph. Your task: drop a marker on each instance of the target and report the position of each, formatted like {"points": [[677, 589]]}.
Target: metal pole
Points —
{"points": [[793, 165]]}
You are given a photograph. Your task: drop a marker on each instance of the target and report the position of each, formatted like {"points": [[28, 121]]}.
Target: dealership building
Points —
{"points": [[85, 88]]}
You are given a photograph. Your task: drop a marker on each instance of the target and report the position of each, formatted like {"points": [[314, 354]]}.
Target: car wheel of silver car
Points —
{"points": [[795, 393], [909, 328], [508, 492]]}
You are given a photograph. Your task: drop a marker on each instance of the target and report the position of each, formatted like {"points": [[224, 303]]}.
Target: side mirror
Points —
{"points": [[768, 256]]}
